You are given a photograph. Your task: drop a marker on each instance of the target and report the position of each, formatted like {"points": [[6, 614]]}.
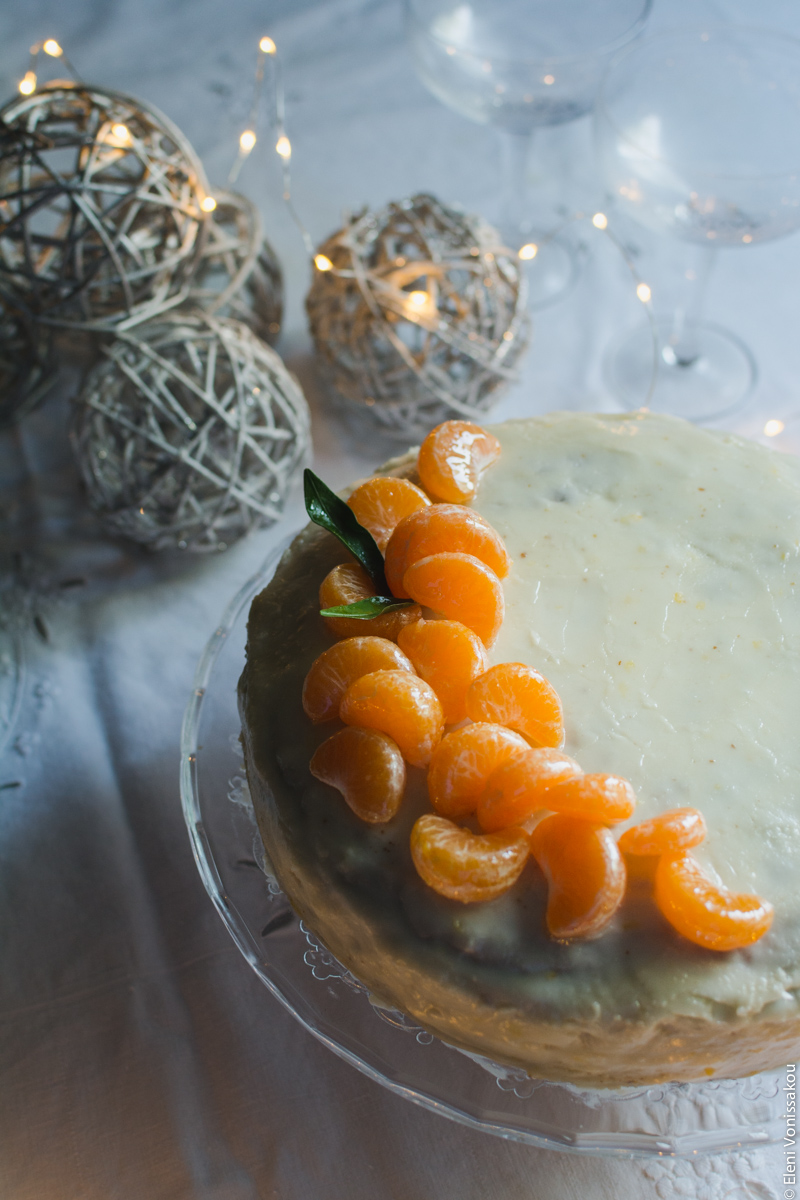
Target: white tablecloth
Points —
{"points": [[139, 1055]]}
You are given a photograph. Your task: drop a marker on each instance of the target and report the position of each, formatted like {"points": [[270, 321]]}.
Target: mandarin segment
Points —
{"points": [[336, 668], [452, 459], [585, 875], [518, 696], [379, 503], [520, 787], [448, 656], [466, 866], [367, 767], [605, 799], [706, 914], [464, 760], [461, 588], [442, 527], [401, 705], [669, 832], [348, 583]]}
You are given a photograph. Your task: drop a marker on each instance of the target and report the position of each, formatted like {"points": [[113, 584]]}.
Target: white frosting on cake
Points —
{"points": [[654, 582]]}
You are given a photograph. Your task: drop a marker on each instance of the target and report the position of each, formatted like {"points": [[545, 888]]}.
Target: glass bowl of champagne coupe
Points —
{"points": [[520, 65], [698, 136]]}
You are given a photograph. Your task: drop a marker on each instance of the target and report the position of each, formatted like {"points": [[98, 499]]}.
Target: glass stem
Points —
{"points": [[683, 348], [516, 217]]}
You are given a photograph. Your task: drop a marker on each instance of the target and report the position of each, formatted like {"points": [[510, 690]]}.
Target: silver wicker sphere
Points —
{"points": [[101, 221], [239, 274], [418, 314], [190, 433]]}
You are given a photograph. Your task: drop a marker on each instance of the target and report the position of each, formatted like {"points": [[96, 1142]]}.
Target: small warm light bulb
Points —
{"points": [[528, 251], [52, 48], [246, 141], [323, 263], [418, 299], [773, 428], [643, 292], [600, 221], [267, 45], [548, 79], [28, 83], [284, 147], [121, 133], [208, 204]]}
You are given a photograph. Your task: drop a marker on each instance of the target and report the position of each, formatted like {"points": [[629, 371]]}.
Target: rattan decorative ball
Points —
{"points": [[239, 274], [101, 221], [27, 366], [190, 433], [418, 314]]}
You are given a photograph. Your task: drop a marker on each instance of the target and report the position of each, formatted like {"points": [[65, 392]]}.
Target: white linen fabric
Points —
{"points": [[139, 1054]]}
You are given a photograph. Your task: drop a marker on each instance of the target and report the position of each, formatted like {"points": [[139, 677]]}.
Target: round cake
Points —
{"points": [[654, 583]]}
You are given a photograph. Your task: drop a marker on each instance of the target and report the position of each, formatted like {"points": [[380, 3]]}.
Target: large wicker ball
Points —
{"points": [[190, 433], [420, 315], [239, 274], [100, 203]]}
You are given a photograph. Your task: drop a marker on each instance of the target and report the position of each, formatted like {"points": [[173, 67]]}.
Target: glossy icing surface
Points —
{"points": [[654, 583]]}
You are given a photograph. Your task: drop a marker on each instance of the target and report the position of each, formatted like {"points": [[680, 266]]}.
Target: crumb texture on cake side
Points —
{"points": [[654, 580]]}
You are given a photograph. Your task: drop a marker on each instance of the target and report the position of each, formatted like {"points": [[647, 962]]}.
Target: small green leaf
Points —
{"points": [[329, 511], [364, 610]]}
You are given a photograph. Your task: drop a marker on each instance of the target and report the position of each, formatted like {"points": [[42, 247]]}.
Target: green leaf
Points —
{"points": [[329, 511], [364, 610]]}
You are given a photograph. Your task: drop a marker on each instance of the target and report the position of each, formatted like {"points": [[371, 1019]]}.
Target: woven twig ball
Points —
{"points": [[100, 208], [420, 317], [239, 274], [190, 433], [27, 366]]}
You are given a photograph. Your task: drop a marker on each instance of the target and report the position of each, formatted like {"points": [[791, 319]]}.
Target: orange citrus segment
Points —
{"points": [[585, 874], [367, 768], [520, 786], [461, 588], [669, 832], [606, 799], [708, 915], [400, 704], [448, 656], [463, 761], [350, 582], [381, 502], [442, 527], [466, 866], [336, 668], [516, 695], [452, 459]]}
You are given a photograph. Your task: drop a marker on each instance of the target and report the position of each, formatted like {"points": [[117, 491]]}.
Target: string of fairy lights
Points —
{"points": [[420, 305]]}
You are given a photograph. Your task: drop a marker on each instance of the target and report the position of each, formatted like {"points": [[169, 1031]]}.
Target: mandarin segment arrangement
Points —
{"points": [[368, 769], [348, 583], [461, 588], [439, 528], [448, 656], [380, 503], [452, 459], [341, 665], [499, 766]]}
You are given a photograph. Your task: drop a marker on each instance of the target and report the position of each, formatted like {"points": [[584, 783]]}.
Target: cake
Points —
{"points": [[654, 580]]}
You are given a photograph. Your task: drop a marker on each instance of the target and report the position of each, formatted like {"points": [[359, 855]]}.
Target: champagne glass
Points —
{"points": [[519, 65], [698, 135]]}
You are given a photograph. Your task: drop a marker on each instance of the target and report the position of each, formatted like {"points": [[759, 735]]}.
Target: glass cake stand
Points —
{"points": [[667, 1119]]}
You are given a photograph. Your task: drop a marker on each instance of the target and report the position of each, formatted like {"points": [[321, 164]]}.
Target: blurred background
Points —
{"points": [[139, 1055]]}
